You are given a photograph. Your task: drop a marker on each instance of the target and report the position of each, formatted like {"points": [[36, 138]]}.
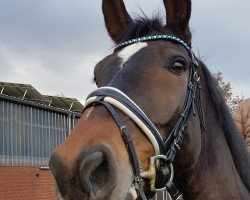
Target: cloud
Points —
{"points": [[72, 75], [54, 45]]}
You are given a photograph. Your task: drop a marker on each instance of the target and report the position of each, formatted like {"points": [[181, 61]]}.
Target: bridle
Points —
{"points": [[165, 151], [162, 161]]}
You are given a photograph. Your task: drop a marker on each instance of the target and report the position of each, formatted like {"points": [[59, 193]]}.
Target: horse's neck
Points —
{"points": [[215, 176]]}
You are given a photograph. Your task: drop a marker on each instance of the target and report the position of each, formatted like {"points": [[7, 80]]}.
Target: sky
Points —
{"points": [[54, 44]]}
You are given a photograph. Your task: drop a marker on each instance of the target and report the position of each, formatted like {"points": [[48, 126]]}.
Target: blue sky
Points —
{"points": [[54, 45]]}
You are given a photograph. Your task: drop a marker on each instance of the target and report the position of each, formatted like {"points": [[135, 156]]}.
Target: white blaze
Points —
{"points": [[130, 50], [126, 53]]}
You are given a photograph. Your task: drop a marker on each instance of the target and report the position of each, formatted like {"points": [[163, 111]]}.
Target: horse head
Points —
{"points": [[152, 78]]}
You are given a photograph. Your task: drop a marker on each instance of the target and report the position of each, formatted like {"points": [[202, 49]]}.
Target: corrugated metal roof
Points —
{"points": [[27, 92], [22, 91], [70, 104]]}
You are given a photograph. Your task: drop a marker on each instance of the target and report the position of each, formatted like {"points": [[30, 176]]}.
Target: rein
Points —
{"points": [[165, 151]]}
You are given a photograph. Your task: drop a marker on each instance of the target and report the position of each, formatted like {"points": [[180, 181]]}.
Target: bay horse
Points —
{"points": [[156, 122]]}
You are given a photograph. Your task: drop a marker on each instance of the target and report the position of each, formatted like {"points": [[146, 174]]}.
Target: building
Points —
{"points": [[31, 126]]}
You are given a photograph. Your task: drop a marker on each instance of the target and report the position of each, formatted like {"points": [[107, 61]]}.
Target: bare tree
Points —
{"points": [[226, 88]]}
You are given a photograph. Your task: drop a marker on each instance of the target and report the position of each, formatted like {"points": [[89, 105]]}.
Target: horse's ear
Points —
{"points": [[116, 17], [178, 15]]}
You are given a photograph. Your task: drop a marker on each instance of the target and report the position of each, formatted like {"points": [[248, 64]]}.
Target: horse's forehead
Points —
{"points": [[126, 53]]}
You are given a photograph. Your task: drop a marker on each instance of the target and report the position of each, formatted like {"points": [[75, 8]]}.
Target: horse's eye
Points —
{"points": [[178, 67]]}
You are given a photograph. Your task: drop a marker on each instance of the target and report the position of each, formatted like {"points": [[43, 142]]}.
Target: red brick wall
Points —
{"points": [[26, 183]]}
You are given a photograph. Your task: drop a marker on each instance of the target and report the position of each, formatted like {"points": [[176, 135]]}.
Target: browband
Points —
{"points": [[154, 37]]}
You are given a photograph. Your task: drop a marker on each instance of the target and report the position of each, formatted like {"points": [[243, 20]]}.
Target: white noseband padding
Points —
{"points": [[132, 116]]}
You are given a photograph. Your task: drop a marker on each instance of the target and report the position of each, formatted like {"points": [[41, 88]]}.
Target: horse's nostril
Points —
{"points": [[91, 169], [98, 173]]}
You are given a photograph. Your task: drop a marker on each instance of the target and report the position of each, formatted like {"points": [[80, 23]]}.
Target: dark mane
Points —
{"points": [[235, 141], [142, 26]]}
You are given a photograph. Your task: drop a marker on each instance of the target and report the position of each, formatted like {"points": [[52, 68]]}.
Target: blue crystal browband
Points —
{"points": [[154, 37]]}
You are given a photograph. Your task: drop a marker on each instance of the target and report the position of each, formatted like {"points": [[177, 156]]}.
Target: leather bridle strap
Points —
{"points": [[175, 139], [128, 142]]}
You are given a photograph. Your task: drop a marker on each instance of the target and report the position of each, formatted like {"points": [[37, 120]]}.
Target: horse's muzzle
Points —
{"points": [[94, 175]]}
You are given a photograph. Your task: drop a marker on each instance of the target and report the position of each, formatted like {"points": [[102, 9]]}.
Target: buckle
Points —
{"points": [[194, 61], [151, 173], [196, 76]]}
